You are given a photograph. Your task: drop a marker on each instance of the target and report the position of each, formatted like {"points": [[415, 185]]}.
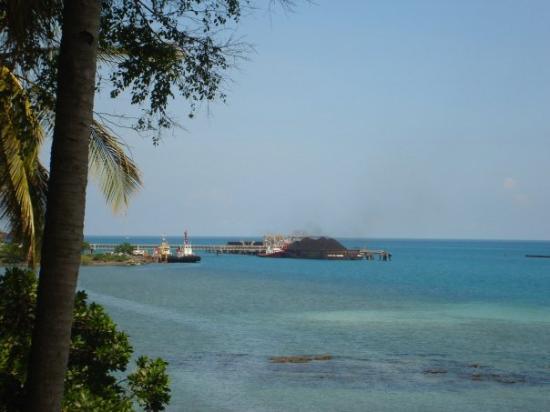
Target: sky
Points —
{"points": [[401, 119]]}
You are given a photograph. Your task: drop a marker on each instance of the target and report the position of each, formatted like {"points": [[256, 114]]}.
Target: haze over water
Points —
{"points": [[445, 326]]}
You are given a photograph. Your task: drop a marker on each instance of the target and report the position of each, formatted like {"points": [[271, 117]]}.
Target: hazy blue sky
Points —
{"points": [[362, 118]]}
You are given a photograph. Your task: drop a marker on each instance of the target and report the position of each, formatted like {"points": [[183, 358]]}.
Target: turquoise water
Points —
{"points": [[476, 312]]}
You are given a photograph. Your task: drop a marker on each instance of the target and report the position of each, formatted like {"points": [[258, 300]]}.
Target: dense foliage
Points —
{"points": [[99, 353], [148, 48], [11, 253]]}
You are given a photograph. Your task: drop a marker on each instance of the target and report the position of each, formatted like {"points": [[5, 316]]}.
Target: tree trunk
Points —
{"points": [[64, 224]]}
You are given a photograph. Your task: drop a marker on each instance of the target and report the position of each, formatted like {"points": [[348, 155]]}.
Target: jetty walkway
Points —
{"points": [[367, 254]]}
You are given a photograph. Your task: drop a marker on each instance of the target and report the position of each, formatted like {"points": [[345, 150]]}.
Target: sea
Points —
{"points": [[447, 325]]}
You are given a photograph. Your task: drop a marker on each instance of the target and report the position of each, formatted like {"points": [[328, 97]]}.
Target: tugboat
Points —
{"points": [[184, 253], [273, 251], [162, 251], [276, 246]]}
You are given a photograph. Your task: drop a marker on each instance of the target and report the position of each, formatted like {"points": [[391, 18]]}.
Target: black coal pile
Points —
{"points": [[320, 248], [309, 244]]}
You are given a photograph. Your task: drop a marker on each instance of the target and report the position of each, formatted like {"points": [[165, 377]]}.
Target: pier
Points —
{"points": [[218, 249], [234, 249]]}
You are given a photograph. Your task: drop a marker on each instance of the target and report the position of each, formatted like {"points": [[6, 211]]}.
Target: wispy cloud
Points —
{"points": [[512, 186], [510, 183], [522, 199]]}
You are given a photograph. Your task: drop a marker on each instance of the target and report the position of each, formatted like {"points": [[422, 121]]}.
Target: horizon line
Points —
{"points": [[336, 237]]}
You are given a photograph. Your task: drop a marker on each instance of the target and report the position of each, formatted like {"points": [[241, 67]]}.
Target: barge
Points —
{"points": [[312, 248]]}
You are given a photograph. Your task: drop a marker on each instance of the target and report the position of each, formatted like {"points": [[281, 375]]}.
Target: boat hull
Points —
{"points": [[183, 259], [319, 254], [273, 255]]}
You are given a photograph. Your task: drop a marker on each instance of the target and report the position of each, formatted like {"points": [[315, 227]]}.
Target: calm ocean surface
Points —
{"points": [[476, 314]]}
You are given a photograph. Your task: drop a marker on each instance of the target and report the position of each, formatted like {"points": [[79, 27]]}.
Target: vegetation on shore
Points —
{"points": [[125, 248], [14, 254], [104, 258], [112, 259], [122, 255]]}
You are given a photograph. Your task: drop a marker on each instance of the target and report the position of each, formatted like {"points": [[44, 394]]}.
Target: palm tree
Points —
{"points": [[64, 222], [23, 179]]}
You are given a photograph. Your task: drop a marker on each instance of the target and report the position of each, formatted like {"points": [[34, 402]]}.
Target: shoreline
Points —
{"points": [[87, 260]]}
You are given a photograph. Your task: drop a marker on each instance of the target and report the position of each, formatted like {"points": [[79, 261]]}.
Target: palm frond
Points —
{"points": [[110, 55], [22, 177], [115, 172]]}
